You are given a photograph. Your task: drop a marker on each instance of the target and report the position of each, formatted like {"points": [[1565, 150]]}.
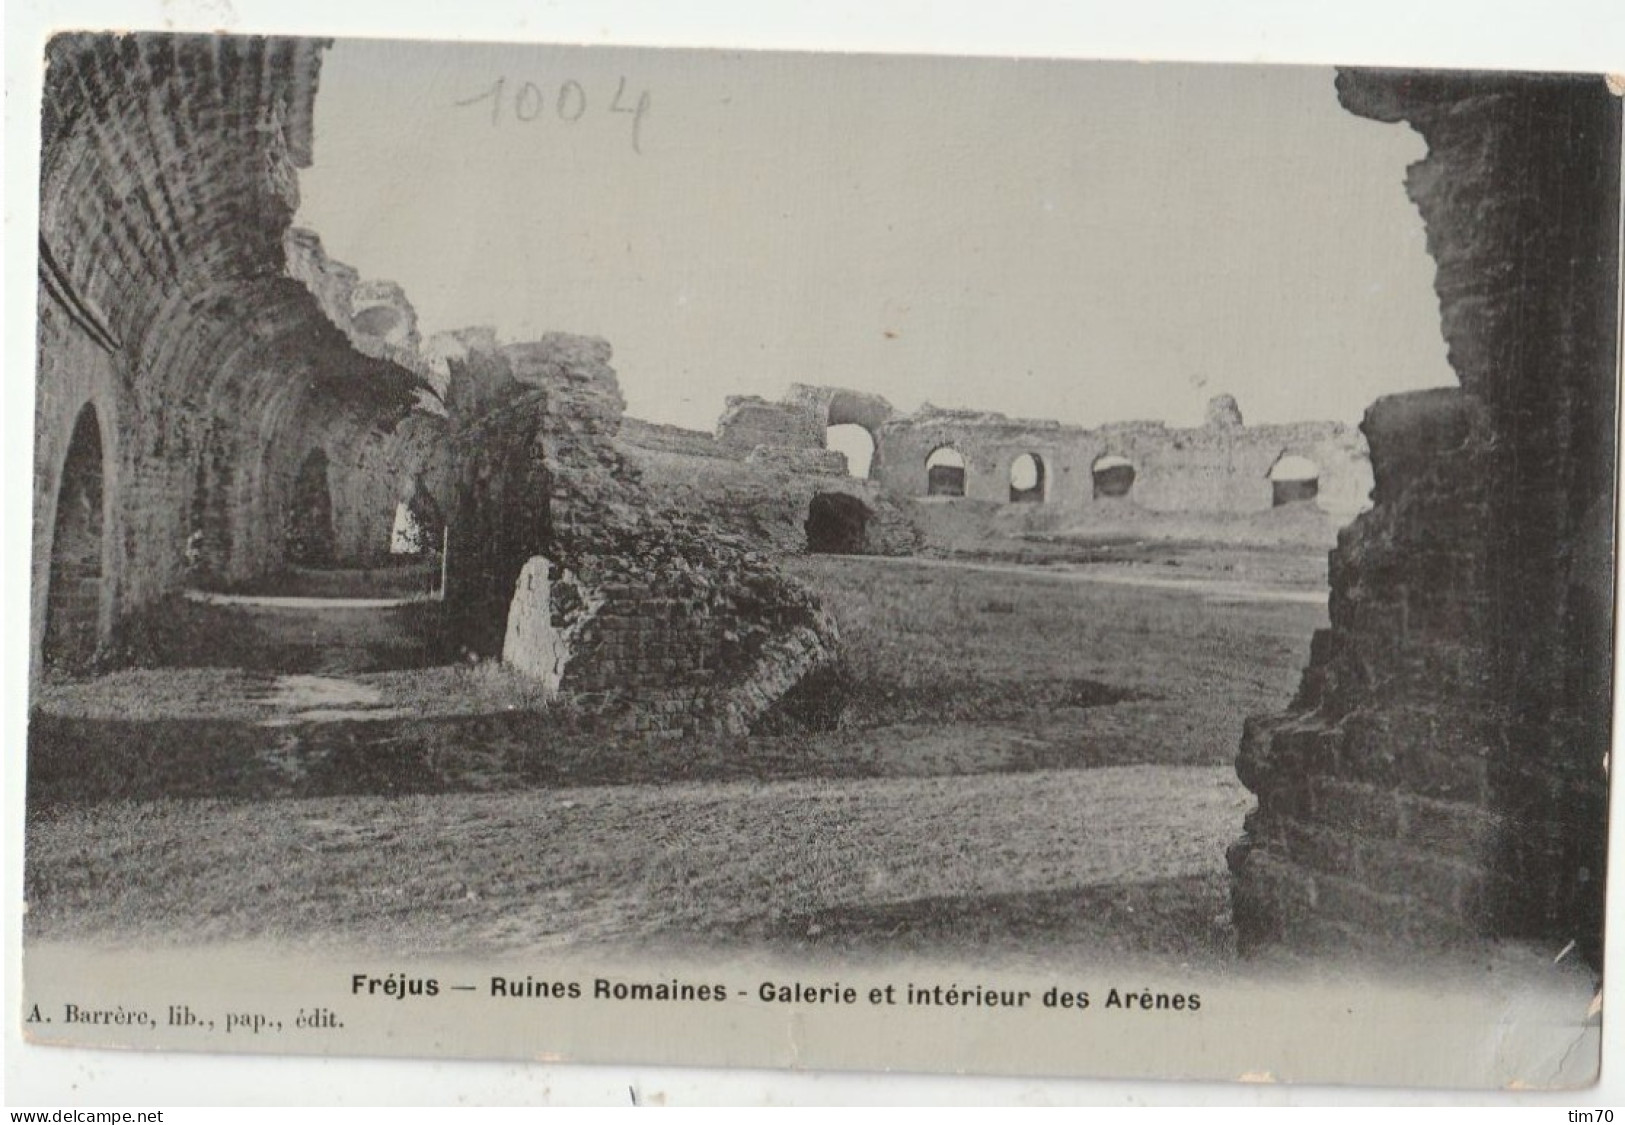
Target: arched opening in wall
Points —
{"points": [[1113, 476], [208, 539], [310, 520], [73, 599], [945, 472], [1294, 479], [856, 442], [419, 526], [837, 524], [1027, 479]]}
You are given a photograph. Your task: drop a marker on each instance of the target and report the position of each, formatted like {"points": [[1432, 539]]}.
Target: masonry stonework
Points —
{"points": [[1441, 774], [1221, 466], [1218, 467], [766, 491], [167, 307], [202, 365], [656, 619], [234, 403]]}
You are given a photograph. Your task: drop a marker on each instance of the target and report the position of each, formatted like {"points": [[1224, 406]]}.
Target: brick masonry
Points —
{"points": [[169, 311], [1440, 775], [661, 622], [1222, 466]]}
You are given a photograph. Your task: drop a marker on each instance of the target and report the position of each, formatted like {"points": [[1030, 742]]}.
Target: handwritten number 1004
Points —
{"points": [[569, 102]]}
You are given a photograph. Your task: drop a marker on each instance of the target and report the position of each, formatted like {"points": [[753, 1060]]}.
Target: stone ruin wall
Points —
{"points": [[766, 500], [749, 422], [799, 419], [1212, 468], [370, 479], [758, 475], [1223, 466], [1441, 774], [168, 183], [221, 349], [657, 437], [570, 567]]}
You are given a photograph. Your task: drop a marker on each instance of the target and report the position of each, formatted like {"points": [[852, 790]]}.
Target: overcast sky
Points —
{"points": [[1086, 242]]}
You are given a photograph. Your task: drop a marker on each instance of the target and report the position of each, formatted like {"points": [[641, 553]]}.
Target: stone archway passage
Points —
{"points": [[310, 521], [945, 472], [1027, 479], [1113, 476], [1295, 479], [73, 601], [837, 524]]}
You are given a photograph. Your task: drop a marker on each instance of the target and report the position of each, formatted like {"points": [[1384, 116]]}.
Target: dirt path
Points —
{"points": [[264, 699], [281, 601], [1209, 589], [703, 862], [326, 699]]}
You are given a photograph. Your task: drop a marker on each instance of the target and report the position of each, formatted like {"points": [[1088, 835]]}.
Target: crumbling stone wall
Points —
{"points": [[766, 503], [375, 315], [758, 476], [841, 406], [763, 497], [656, 619], [1441, 774], [168, 183], [381, 472], [386, 468], [749, 421], [658, 437], [1222, 466], [798, 422]]}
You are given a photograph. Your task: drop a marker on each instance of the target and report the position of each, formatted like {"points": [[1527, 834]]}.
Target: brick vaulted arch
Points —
{"points": [[167, 291]]}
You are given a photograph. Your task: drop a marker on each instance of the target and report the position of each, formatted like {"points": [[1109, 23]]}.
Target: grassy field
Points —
{"points": [[1024, 762]]}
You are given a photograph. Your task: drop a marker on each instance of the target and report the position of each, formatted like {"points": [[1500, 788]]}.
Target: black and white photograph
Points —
{"points": [[833, 560]]}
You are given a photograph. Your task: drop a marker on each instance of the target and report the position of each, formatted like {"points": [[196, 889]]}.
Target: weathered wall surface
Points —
{"points": [[376, 315], [1218, 467], [1441, 773], [382, 470], [799, 420], [759, 475], [840, 406], [767, 500], [657, 437], [167, 185], [1222, 466], [657, 619], [749, 421]]}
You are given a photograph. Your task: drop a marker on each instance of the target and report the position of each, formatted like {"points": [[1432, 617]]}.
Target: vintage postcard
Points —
{"points": [[821, 561]]}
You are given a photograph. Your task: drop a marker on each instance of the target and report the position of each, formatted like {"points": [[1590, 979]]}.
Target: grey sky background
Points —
{"points": [[1055, 239]]}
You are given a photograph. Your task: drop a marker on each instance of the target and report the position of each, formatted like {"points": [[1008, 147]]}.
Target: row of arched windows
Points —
{"points": [[945, 476], [1293, 476]]}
